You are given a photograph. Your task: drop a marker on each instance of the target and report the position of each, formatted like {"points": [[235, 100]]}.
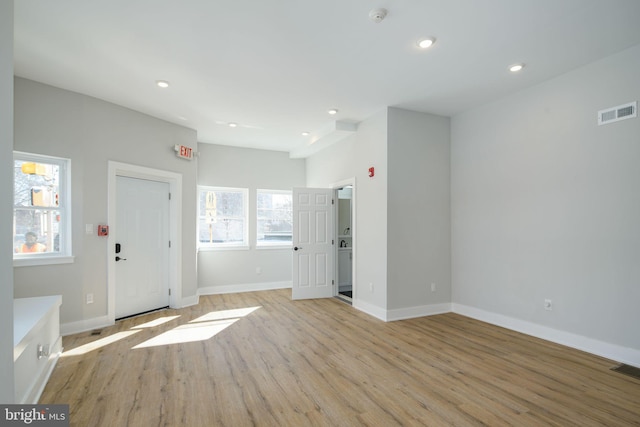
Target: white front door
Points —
{"points": [[142, 246], [312, 243]]}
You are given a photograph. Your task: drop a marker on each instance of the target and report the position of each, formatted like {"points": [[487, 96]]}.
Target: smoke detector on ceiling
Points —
{"points": [[377, 15]]}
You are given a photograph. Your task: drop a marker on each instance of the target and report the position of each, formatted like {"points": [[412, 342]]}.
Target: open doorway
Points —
{"points": [[344, 247]]}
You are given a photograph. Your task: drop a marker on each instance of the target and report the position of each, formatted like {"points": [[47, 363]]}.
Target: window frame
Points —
{"points": [[274, 244], [244, 245], [64, 255]]}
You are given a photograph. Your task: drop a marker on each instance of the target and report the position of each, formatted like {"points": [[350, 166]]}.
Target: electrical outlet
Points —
{"points": [[89, 298], [433, 287], [370, 287], [258, 270], [548, 304], [88, 228]]}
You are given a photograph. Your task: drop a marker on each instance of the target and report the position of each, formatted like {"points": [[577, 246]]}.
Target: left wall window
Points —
{"points": [[41, 210], [222, 218]]}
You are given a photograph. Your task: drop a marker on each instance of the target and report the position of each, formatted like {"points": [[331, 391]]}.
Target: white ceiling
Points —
{"points": [[276, 67]]}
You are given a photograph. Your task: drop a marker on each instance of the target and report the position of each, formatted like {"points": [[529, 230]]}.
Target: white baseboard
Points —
{"points": [[249, 287], [370, 309], [189, 301], [401, 313], [615, 352], [420, 311], [85, 325]]}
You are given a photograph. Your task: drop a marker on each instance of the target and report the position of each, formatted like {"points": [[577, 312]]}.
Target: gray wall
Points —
{"points": [[402, 228], [546, 204], [6, 208], [236, 270], [91, 132], [351, 158], [419, 238]]}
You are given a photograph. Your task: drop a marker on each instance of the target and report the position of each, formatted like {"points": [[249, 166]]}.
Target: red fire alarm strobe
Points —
{"points": [[371, 172], [103, 230]]}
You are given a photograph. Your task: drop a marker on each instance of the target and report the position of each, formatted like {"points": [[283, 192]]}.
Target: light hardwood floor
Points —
{"points": [[324, 363]]}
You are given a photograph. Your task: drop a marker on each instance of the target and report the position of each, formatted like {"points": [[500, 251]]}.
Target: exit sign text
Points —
{"points": [[184, 152]]}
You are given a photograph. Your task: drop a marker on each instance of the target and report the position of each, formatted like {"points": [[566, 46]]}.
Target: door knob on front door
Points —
{"points": [[295, 248], [120, 259]]}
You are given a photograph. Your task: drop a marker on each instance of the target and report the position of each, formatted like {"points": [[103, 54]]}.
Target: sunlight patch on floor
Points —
{"points": [[200, 329], [226, 314], [84, 349], [159, 321], [188, 333]]}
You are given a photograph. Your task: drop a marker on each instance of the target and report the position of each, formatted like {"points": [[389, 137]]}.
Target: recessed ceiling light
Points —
{"points": [[233, 125], [162, 83], [333, 111], [305, 133], [426, 43], [516, 67]]}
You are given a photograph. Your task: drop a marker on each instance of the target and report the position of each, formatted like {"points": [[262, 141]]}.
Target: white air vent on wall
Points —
{"points": [[615, 114]]}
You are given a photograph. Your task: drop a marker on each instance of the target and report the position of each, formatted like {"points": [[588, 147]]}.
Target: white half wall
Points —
{"points": [[546, 205]]}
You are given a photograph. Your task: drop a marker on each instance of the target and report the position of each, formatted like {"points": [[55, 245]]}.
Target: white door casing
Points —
{"points": [[312, 243], [142, 233], [174, 180]]}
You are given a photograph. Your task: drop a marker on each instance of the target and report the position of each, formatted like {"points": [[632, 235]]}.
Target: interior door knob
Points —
{"points": [[120, 259], [295, 248]]}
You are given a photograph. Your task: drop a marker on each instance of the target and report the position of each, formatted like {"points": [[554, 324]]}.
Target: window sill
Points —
{"points": [[271, 247], [223, 248], [42, 260]]}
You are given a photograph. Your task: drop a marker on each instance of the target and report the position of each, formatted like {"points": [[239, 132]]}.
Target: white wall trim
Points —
{"points": [[615, 352], [419, 311], [370, 309], [402, 313], [85, 325], [249, 287], [189, 301], [175, 228]]}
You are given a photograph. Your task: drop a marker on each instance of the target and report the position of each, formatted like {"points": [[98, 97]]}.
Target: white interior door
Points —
{"points": [[142, 233], [312, 243]]}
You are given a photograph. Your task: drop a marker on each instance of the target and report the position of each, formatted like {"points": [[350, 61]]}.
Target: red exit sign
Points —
{"points": [[184, 152]]}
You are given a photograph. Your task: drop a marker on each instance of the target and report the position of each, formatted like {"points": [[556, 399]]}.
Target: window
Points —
{"points": [[222, 217], [274, 218], [41, 210]]}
